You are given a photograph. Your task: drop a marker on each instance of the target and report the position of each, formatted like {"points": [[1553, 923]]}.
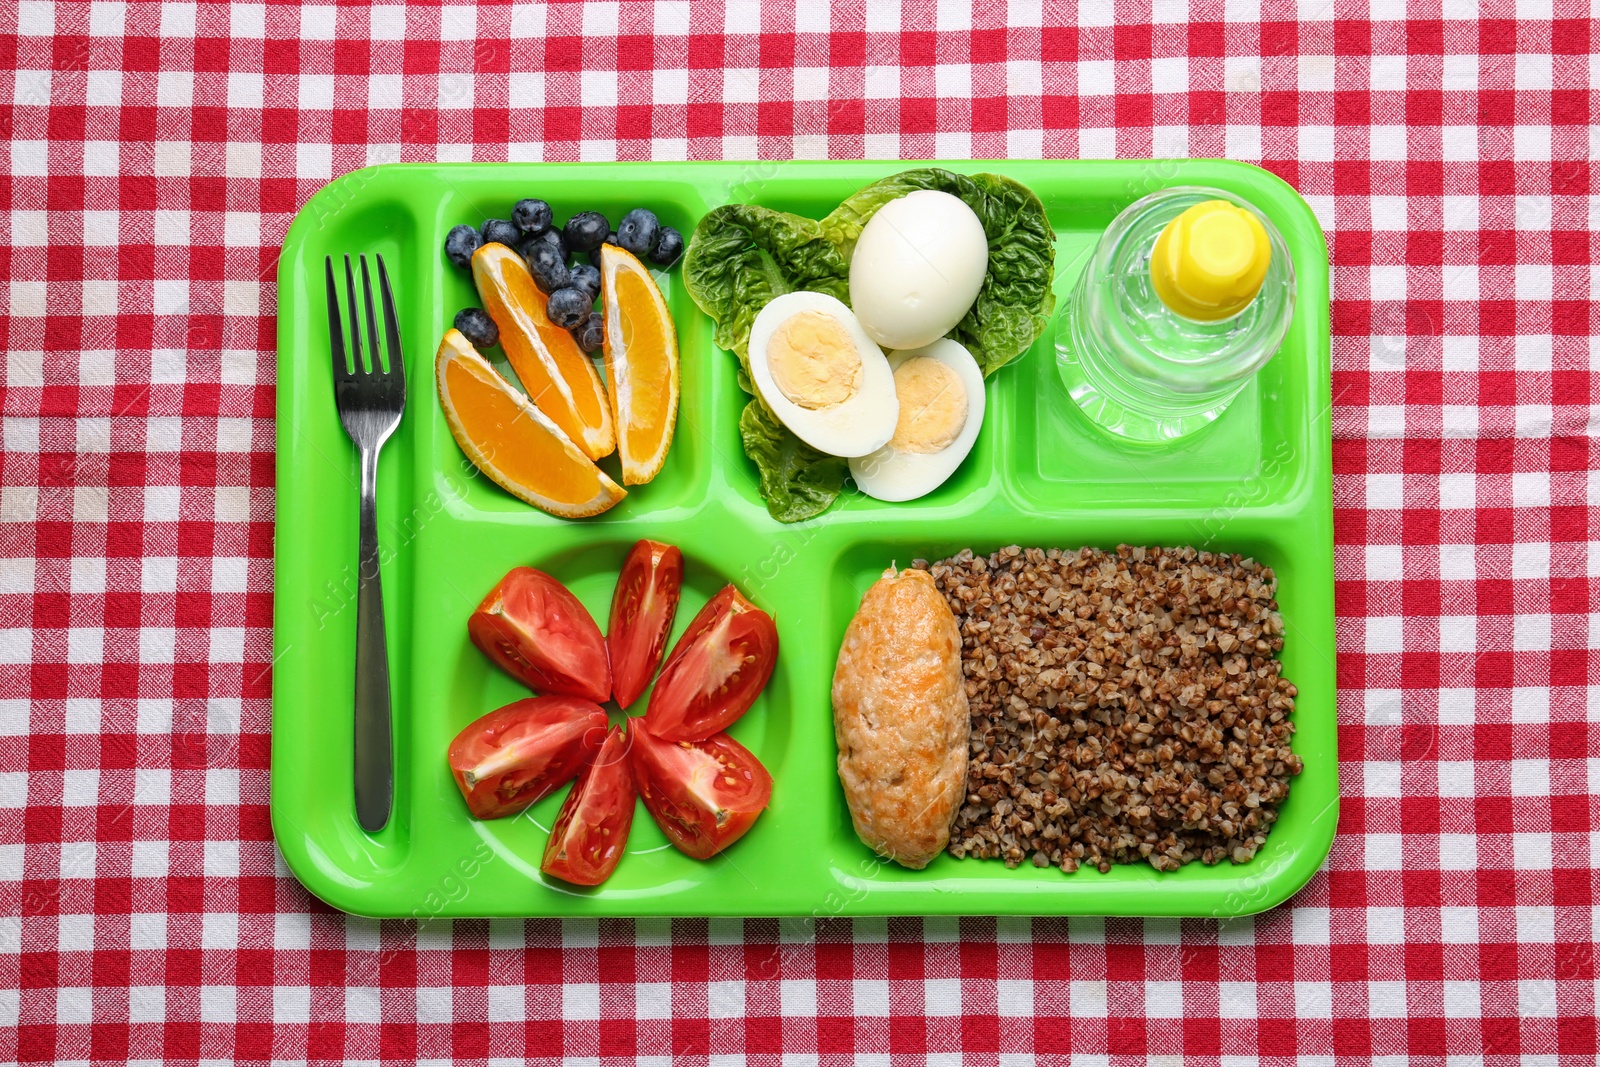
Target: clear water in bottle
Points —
{"points": [[1189, 292]]}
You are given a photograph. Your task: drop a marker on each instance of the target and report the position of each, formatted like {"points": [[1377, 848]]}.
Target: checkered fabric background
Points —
{"points": [[156, 154]]}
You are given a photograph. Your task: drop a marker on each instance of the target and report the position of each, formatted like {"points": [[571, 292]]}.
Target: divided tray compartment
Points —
{"points": [[1257, 482]]}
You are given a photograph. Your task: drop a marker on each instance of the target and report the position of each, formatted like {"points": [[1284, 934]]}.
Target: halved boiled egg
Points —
{"points": [[940, 390], [821, 374]]}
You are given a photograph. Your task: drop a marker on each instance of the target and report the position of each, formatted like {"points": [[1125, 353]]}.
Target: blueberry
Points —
{"points": [[586, 231], [638, 231], [476, 326], [587, 278], [501, 232], [611, 239], [669, 246], [532, 215], [569, 306], [547, 267], [459, 245], [551, 237], [591, 336]]}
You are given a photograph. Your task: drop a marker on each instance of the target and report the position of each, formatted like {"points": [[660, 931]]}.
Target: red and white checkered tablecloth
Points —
{"points": [[156, 153]]}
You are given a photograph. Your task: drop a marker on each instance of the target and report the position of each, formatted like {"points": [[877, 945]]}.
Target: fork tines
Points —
{"points": [[385, 359]]}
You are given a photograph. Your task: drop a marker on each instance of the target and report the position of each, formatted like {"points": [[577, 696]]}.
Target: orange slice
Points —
{"points": [[518, 446], [558, 376], [641, 349]]}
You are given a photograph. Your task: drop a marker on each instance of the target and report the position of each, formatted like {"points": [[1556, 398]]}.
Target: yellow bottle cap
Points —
{"points": [[1210, 261]]}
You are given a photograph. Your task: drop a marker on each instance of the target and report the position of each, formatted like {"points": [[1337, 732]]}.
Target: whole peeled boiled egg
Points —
{"points": [[821, 374], [917, 268], [940, 389]]}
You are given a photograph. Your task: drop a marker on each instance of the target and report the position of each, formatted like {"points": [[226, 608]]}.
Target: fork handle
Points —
{"points": [[374, 760]]}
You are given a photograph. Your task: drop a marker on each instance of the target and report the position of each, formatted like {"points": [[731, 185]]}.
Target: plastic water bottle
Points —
{"points": [[1189, 293]]}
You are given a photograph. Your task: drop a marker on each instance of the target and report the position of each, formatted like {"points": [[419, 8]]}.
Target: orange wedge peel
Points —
{"points": [[519, 447], [559, 378], [641, 355]]}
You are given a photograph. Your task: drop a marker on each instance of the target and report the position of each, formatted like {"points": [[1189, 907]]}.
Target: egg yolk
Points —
{"points": [[933, 406], [814, 361]]}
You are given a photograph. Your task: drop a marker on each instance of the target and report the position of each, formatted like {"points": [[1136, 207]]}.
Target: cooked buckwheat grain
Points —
{"points": [[1126, 706]]}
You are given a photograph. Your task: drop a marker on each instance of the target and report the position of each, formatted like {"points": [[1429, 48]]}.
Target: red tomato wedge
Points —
{"points": [[592, 829], [538, 633], [716, 670], [642, 610], [703, 794], [523, 752]]}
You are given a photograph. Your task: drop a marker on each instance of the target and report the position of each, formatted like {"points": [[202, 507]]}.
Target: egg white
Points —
{"points": [[891, 475], [917, 268], [860, 425]]}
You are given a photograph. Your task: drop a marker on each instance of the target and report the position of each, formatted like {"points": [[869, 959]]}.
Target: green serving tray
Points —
{"points": [[1256, 482]]}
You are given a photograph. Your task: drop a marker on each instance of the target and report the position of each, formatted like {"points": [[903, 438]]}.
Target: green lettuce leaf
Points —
{"points": [[797, 481], [740, 257], [1015, 303]]}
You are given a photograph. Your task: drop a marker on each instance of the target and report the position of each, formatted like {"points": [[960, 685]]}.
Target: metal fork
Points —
{"points": [[370, 400]]}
